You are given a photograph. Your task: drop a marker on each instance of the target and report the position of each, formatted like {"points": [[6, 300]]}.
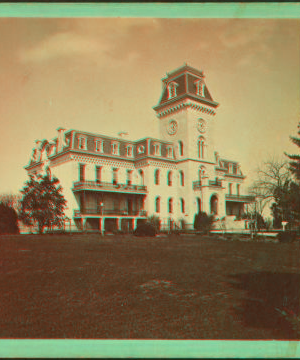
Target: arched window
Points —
{"points": [[202, 173], [201, 147], [214, 205], [170, 206], [156, 177], [180, 147], [170, 175], [157, 204], [182, 205], [181, 175], [141, 172]]}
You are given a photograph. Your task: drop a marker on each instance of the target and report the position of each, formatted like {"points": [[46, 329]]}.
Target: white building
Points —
{"points": [[114, 183]]}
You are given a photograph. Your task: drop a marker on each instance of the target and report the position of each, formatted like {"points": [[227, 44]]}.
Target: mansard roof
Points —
{"points": [[185, 79]]}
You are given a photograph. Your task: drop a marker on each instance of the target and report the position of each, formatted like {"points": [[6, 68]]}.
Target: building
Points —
{"points": [[115, 183]]}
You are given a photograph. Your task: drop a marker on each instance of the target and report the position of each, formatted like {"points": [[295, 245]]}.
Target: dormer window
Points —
{"points": [[129, 150], [99, 145], [157, 149], [200, 86], [172, 89], [115, 148], [82, 142], [170, 152]]}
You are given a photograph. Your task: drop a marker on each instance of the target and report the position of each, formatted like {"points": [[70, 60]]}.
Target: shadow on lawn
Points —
{"points": [[271, 302]]}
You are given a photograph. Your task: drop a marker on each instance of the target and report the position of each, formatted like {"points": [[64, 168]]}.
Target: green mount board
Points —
{"points": [[150, 348]]}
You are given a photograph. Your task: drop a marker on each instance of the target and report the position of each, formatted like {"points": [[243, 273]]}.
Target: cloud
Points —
{"points": [[62, 45]]}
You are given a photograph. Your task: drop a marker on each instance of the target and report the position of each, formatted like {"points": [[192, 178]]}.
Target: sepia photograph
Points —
{"points": [[150, 180]]}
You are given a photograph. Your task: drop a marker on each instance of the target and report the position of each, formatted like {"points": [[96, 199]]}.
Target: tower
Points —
{"points": [[186, 113]]}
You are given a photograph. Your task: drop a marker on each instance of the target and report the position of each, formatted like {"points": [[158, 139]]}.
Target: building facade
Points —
{"points": [[114, 183]]}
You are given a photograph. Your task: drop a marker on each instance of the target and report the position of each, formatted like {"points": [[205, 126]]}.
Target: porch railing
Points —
{"points": [[240, 198], [117, 212], [107, 186]]}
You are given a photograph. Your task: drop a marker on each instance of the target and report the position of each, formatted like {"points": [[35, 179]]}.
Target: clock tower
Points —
{"points": [[186, 112]]}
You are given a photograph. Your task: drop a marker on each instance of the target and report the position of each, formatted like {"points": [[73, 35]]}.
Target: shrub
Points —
{"points": [[8, 220], [155, 221], [145, 229], [287, 236], [203, 222]]}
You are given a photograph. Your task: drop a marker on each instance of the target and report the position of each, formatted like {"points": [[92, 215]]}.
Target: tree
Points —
{"points": [[295, 163], [8, 219], [11, 200], [271, 176], [43, 203]]}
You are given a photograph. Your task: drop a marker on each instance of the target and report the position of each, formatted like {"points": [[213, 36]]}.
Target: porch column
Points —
{"points": [[83, 222], [134, 222], [101, 225], [119, 224]]}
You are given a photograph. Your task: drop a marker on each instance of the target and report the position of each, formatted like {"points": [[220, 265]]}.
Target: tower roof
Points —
{"points": [[189, 82]]}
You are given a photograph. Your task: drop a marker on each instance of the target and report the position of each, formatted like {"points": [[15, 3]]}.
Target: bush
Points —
{"points": [[203, 222], [155, 221], [287, 236], [145, 229], [8, 220]]}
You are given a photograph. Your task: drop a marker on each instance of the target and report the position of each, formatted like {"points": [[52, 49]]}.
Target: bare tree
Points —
{"points": [[271, 176], [11, 200]]}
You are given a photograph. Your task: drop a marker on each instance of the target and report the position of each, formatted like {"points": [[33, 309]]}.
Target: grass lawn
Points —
{"points": [[122, 287]]}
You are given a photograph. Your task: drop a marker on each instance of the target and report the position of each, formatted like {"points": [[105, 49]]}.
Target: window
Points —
{"points": [[234, 169], [170, 152], [202, 174], [141, 172], [157, 149], [181, 175], [129, 150], [115, 148], [99, 146], [201, 147], [129, 177], [198, 205], [238, 189], [200, 86], [182, 205], [157, 204], [172, 89], [170, 175], [170, 206], [82, 143], [156, 177], [115, 176], [98, 174], [214, 205], [180, 147], [229, 189], [82, 172]]}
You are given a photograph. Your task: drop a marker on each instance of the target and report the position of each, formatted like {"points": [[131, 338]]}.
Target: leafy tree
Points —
{"points": [[42, 203], [8, 219], [295, 159], [202, 221]]}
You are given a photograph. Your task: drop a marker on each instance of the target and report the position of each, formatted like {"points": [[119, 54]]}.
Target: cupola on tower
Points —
{"points": [[186, 112]]}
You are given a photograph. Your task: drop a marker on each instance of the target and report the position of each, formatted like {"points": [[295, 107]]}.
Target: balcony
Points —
{"points": [[240, 198], [110, 212], [109, 187], [211, 183]]}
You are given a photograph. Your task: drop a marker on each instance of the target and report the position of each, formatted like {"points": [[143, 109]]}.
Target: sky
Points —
{"points": [[103, 75]]}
